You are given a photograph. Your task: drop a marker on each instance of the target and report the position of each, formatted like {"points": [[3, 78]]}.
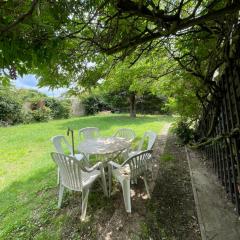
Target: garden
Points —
{"points": [[28, 196], [145, 135]]}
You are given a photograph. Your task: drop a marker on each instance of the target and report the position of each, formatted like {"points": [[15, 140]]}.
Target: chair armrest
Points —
{"points": [[97, 166], [114, 164]]}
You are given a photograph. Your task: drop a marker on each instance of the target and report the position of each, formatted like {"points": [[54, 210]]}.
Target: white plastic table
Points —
{"points": [[105, 149], [104, 146]]}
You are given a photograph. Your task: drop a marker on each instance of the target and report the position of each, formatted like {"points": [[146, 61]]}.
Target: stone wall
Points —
{"points": [[77, 108]]}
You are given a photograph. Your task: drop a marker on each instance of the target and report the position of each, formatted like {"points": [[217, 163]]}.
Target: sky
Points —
{"points": [[30, 82]]}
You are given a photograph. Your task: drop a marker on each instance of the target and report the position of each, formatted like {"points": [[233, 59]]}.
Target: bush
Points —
{"points": [[59, 109], [41, 114], [184, 132], [27, 117], [116, 101], [91, 104], [10, 109], [147, 103], [30, 95], [151, 104]]}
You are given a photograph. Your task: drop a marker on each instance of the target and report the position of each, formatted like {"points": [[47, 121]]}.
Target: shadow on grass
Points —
{"points": [[29, 209]]}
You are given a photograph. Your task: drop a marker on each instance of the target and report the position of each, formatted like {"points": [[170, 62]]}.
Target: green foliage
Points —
{"points": [[12, 100], [30, 95], [180, 90], [116, 101], [27, 117], [125, 81], [94, 104], [42, 114], [51, 42], [49, 37], [59, 108], [167, 157], [10, 108], [184, 131], [91, 104], [33, 43], [131, 79], [151, 104]]}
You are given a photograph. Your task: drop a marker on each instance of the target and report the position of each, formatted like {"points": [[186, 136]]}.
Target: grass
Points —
{"points": [[28, 192], [167, 157]]}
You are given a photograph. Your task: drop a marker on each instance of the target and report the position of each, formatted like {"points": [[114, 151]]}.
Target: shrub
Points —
{"points": [[147, 103], [183, 131], [151, 104], [27, 117], [30, 95], [116, 101], [91, 104], [41, 114], [10, 109], [59, 109]]}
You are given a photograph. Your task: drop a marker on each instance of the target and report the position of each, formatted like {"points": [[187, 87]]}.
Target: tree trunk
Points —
{"points": [[132, 99]]}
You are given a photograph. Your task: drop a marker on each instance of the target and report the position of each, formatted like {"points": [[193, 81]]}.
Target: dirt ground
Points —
{"points": [[171, 211], [169, 214]]}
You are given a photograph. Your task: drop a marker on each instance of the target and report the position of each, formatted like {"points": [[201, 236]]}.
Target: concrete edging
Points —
{"points": [[199, 214]]}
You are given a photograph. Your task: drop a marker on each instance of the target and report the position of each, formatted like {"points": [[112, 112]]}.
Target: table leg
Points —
{"points": [[109, 179]]}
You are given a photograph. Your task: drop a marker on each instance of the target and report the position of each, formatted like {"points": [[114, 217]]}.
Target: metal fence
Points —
{"points": [[223, 149]]}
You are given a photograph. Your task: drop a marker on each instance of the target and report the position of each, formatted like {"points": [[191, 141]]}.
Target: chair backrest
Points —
{"points": [[138, 163], [126, 133], [150, 137], [70, 170], [58, 142], [88, 133]]}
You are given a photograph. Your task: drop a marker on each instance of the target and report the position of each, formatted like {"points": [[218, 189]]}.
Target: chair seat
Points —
{"points": [[122, 172], [89, 177]]}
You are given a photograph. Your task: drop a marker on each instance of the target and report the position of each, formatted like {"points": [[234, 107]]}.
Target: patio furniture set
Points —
{"points": [[76, 173]]}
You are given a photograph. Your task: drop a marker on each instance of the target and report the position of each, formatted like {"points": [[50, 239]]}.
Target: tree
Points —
{"points": [[56, 38], [180, 89], [134, 80], [28, 35]]}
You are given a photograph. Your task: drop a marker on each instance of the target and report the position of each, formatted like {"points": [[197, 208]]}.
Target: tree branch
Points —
{"points": [[174, 28], [20, 19]]}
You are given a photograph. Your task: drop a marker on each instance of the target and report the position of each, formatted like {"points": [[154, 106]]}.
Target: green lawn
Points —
{"points": [[28, 192]]}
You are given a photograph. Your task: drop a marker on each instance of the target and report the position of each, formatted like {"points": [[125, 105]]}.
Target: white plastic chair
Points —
{"points": [[59, 142], [131, 169], [75, 176], [149, 137], [126, 133], [88, 133]]}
